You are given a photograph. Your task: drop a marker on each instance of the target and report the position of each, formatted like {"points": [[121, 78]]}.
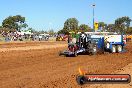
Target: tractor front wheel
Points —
{"points": [[75, 54]]}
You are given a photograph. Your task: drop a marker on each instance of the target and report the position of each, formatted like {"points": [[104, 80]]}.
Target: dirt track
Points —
{"points": [[41, 68]]}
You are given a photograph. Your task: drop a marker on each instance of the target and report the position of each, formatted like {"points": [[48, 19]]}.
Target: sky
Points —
{"points": [[51, 14]]}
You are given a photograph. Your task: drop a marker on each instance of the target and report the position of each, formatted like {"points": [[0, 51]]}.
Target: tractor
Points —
{"points": [[80, 43]]}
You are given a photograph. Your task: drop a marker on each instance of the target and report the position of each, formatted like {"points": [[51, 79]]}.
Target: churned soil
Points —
{"points": [[38, 65]]}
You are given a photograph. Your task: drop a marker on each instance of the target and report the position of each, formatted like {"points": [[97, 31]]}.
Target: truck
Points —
{"points": [[95, 42]]}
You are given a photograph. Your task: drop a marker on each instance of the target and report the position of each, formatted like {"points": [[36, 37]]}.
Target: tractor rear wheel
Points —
{"points": [[92, 48], [94, 52], [75, 54]]}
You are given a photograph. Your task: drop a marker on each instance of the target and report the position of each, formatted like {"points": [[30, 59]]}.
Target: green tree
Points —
{"points": [[42, 32], [63, 31], [31, 29], [85, 28], [71, 24], [0, 29], [129, 31], [102, 26], [51, 32], [14, 22], [111, 27], [122, 24], [24, 25]]}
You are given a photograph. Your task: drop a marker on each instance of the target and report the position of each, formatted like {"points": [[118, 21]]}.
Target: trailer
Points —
{"points": [[114, 43], [110, 43]]}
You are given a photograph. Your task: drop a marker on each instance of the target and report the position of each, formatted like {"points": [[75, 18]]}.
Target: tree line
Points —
{"points": [[18, 22], [121, 25]]}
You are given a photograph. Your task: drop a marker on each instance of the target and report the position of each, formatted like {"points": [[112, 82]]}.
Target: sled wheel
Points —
{"points": [[113, 50]]}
